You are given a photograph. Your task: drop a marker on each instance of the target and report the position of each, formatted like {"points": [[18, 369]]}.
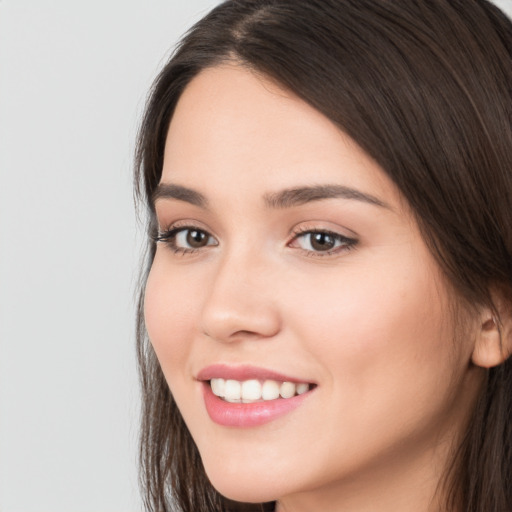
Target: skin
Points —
{"points": [[370, 324]]}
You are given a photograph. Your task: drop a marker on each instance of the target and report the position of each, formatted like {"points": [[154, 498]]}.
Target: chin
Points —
{"points": [[248, 488]]}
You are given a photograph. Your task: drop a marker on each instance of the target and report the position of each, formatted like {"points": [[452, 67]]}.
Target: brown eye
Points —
{"points": [[196, 239], [322, 241], [318, 242], [184, 240]]}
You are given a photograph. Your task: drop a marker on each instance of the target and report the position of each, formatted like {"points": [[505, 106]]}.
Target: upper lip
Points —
{"points": [[243, 372]]}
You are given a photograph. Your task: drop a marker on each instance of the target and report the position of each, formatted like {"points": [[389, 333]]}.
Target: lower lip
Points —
{"points": [[254, 414]]}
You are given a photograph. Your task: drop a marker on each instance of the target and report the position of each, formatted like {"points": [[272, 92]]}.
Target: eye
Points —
{"points": [[186, 239], [191, 239], [325, 242]]}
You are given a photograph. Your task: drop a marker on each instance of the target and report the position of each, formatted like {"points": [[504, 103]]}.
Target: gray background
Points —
{"points": [[73, 78]]}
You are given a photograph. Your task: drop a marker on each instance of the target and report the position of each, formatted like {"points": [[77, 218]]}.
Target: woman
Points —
{"points": [[326, 319]]}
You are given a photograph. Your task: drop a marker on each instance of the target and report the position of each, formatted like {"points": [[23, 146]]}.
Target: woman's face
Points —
{"points": [[287, 255]]}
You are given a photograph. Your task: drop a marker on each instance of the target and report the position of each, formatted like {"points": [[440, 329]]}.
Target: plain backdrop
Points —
{"points": [[73, 78]]}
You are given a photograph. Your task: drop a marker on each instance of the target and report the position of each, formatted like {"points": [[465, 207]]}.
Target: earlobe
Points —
{"points": [[493, 345]]}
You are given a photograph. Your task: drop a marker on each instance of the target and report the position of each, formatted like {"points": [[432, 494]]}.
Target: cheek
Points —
{"points": [[378, 332], [385, 352], [168, 312]]}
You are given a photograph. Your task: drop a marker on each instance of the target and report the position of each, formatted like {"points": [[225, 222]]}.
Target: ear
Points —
{"points": [[493, 345]]}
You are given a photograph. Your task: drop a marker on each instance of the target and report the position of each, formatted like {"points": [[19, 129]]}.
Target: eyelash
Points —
{"points": [[168, 237], [347, 243]]}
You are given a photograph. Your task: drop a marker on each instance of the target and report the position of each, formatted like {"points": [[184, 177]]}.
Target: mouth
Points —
{"points": [[254, 390], [246, 396]]}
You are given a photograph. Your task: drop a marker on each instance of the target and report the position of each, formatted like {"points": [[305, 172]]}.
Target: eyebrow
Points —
{"points": [[302, 195], [283, 199], [171, 191]]}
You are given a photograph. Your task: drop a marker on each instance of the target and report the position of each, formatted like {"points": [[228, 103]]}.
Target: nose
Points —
{"points": [[241, 301]]}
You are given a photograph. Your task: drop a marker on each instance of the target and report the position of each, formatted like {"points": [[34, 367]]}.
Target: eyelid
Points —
{"points": [[166, 225], [343, 243], [168, 236], [347, 242], [323, 226]]}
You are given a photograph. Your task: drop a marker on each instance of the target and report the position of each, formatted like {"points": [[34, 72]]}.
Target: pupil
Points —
{"points": [[322, 241], [196, 238]]}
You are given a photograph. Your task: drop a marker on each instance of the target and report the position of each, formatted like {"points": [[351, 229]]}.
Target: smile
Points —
{"points": [[245, 396], [248, 396], [253, 390]]}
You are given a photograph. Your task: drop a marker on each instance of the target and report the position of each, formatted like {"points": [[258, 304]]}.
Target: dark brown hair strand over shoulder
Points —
{"points": [[425, 88]]}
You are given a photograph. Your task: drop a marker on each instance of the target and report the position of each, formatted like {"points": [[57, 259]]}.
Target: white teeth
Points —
{"points": [[232, 391], [253, 390], [270, 390], [302, 388], [287, 389], [218, 386]]}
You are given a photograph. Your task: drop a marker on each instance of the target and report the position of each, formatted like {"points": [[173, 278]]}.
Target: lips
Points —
{"points": [[247, 396], [243, 372]]}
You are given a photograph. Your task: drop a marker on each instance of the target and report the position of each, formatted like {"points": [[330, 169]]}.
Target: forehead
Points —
{"points": [[233, 125]]}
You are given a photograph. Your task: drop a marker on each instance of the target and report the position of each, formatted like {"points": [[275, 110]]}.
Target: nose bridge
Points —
{"points": [[239, 303]]}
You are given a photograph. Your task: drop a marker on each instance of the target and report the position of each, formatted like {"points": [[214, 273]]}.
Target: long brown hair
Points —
{"points": [[425, 88]]}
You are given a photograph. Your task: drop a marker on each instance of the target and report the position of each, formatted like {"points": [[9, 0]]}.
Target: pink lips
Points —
{"points": [[251, 414]]}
